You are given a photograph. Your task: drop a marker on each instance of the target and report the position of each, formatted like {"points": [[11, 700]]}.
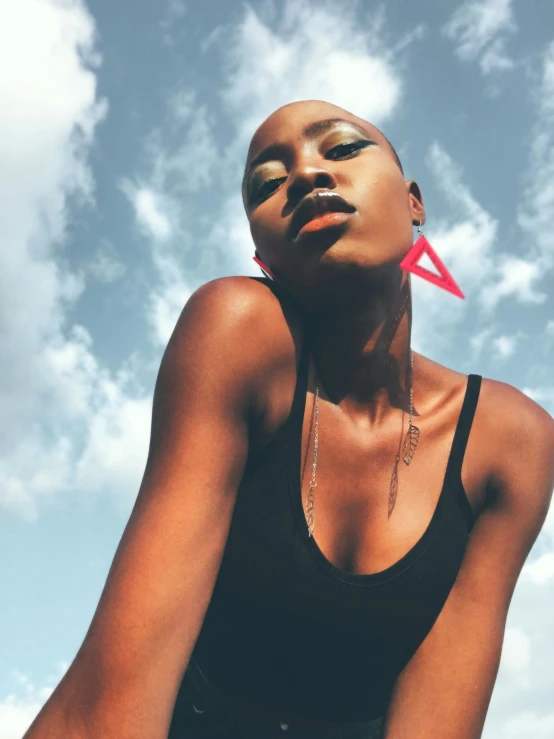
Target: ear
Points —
{"points": [[416, 203]]}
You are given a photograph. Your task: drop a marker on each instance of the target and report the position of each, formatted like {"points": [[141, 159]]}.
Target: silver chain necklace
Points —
{"points": [[409, 446]]}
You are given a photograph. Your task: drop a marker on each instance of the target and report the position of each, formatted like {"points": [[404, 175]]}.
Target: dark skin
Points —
{"points": [[353, 284], [224, 389]]}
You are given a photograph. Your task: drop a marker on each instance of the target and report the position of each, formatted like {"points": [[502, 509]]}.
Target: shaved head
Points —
{"points": [[309, 148], [325, 108]]}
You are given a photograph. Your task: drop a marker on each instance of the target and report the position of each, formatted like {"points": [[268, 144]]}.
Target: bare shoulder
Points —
{"points": [[511, 447], [239, 316], [520, 442], [503, 410], [517, 418], [233, 299], [243, 332], [243, 300]]}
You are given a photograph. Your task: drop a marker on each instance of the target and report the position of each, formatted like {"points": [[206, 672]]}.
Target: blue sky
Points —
{"points": [[123, 135]]}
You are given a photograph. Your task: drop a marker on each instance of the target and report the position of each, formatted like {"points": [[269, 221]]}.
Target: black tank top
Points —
{"points": [[289, 631]]}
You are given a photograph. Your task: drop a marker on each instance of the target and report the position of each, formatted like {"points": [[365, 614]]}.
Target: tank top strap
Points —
{"points": [[283, 438], [299, 400], [459, 444]]}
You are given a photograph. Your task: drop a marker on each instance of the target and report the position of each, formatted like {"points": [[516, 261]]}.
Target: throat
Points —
{"points": [[366, 363]]}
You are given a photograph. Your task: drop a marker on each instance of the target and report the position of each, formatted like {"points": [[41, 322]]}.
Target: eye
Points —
{"points": [[266, 188], [347, 150]]}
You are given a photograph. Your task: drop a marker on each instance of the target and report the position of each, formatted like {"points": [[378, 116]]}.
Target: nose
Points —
{"points": [[308, 176]]}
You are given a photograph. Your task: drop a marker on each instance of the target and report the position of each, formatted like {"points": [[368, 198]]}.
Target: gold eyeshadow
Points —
{"points": [[344, 133]]}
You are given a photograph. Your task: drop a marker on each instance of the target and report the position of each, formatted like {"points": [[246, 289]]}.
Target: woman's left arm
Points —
{"points": [[445, 689]]}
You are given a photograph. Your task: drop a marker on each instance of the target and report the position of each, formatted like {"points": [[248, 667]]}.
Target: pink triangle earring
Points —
{"points": [[265, 269], [418, 250]]}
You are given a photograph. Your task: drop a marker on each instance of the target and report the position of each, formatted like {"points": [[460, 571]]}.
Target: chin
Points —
{"points": [[353, 258]]}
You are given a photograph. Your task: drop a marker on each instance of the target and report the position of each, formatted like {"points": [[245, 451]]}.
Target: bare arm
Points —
{"points": [[123, 682], [445, 689]]}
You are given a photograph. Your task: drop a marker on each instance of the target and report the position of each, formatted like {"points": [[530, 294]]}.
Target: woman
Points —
{"points": [[330, 526]]}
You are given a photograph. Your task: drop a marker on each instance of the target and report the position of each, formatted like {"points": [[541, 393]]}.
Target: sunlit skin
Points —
{"points": [[224, 390], [347, 273], [352, 158]]}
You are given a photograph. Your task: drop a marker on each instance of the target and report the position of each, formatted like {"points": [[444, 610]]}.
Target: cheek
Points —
{"points": [[385, 189], [265, 229], [385, 214], [387, 201]]}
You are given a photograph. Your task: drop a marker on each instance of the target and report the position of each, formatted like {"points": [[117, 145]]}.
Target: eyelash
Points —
{"points": [[357, 144], [260, 193]]}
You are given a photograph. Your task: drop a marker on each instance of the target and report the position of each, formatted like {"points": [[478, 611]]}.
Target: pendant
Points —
{"points": [[393, 490], [410, 443], [310, 511]]}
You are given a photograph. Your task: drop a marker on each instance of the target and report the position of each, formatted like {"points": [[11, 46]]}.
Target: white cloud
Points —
{"points": [[19, 708], [175, 12], [311, 52], [504, 346], [539, 393], [17, 714], [232, 231], [542, 395], [527, 724], [476, 27], [515, 276], [161, 197], [49, 115], [24, 486], [466, 241], [516, 656], [536, 214], [52, 387], [173, 171], [462, 240], [169, 293], [521, 701], [150, 211], [167, 299], [500, 347], [477, 342], [116, 443], [189, 165], [541, 570], [550, 328], [104, 265], [495, 58]]}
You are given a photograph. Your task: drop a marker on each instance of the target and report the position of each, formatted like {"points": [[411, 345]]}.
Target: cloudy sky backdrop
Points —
{"points": [[123, 132]]}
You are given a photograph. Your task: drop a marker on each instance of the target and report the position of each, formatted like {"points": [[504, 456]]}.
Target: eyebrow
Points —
{"points": [[310, 131]]}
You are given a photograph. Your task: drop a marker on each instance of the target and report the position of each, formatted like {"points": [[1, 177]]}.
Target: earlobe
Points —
{"points": [[416, 203]]}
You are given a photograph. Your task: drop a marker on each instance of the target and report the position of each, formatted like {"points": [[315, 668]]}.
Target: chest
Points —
{"points": [[356, 473]]}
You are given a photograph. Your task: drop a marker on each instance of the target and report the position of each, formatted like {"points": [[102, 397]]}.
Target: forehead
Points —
{"points": [[290, 121]]}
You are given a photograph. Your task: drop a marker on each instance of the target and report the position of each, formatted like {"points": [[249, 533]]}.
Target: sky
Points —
{"points": [[123, 134]]}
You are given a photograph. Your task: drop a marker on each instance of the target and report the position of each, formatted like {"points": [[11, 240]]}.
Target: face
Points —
{"points": [[315, 147]]}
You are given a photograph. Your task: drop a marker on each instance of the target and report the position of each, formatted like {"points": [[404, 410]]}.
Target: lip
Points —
{"points": [[317, 204]]}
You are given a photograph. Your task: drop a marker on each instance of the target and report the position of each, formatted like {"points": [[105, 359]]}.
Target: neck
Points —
{"points": [[361, 352]]}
